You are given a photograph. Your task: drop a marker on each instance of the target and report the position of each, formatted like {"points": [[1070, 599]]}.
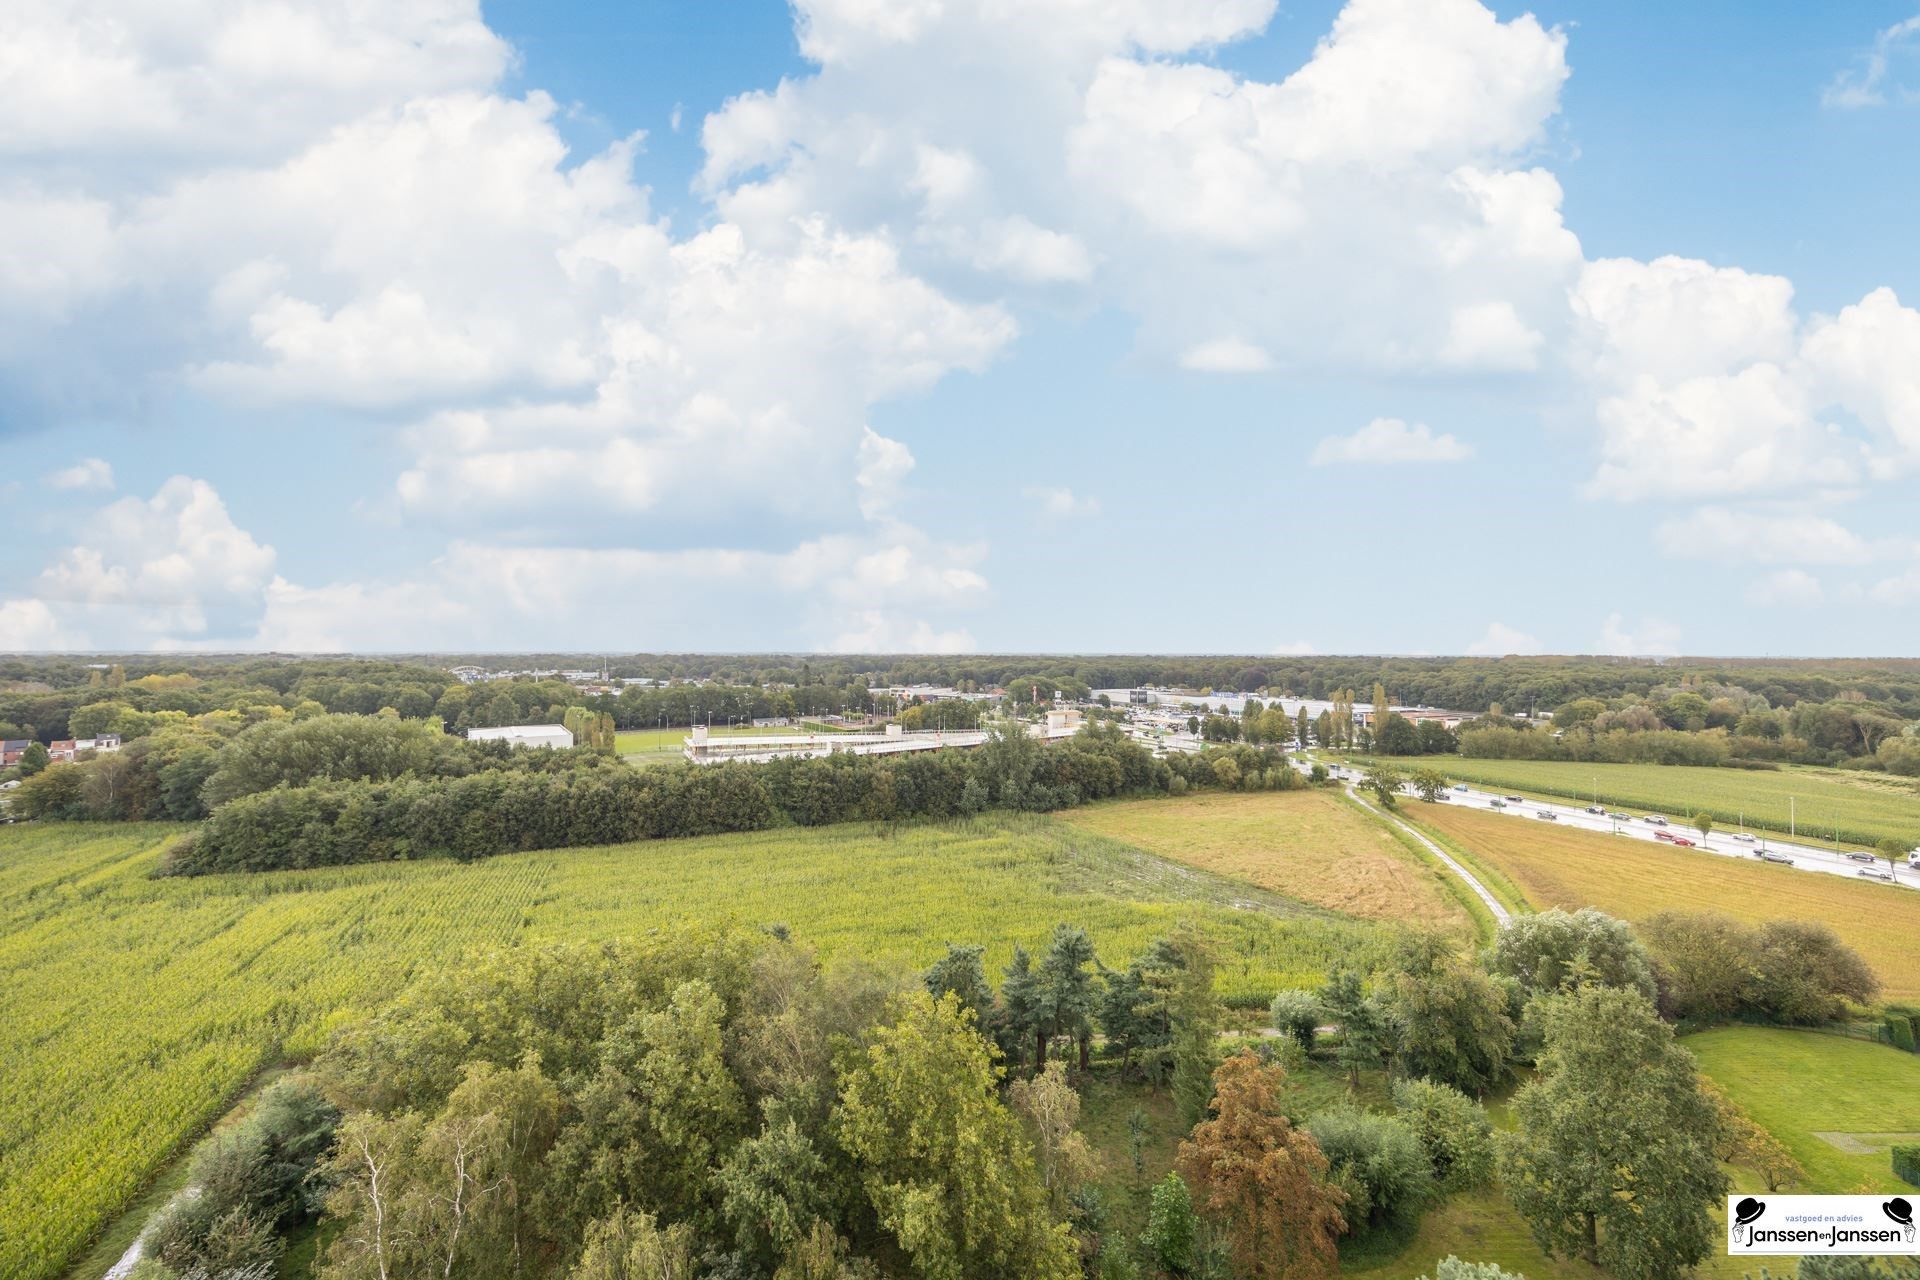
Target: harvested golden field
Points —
{"points": [[1313, 846], [1634, 879]]}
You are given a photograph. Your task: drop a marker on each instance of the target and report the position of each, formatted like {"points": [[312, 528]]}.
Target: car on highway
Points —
{"points": [[1550, 817], [1875, 875], [1594, 808], [1855, 855], [1656, 819], [1743, 837], [1460, 786], [1664, 835], [1497, 804], [1768, 855], [1621, 817], [1683, 842], [1441, 796], [1513, 799]]}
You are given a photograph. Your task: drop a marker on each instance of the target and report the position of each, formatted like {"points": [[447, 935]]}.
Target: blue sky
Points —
{"points": [[1123, 325]]}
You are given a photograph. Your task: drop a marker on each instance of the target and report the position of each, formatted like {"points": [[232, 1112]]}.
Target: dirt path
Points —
{"points": [[1501, 915]]}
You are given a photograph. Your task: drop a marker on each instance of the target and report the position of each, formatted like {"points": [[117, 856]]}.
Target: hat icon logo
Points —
{"points": [[1901, 1212], [1745, 1214]]}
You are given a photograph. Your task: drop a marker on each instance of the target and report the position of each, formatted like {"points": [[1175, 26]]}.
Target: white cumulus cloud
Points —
{"points": [[1762, 536], [1653, 637], [1390, 440], [88, 473], [1057, 502], [1501, 640]]}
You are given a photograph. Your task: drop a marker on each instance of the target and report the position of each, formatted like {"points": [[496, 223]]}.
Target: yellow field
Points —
{"points": [[1635, 879], [1309, 845]]}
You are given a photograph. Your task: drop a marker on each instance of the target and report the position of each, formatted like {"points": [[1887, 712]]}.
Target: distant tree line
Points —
{"points": [[184, 772]]}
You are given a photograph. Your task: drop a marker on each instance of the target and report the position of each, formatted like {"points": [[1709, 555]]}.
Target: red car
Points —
{"points": [[1682, 841], [1665, 835]]}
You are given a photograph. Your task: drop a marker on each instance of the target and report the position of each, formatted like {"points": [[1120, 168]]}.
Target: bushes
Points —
{"points": [[1906, 1163], [1712, 968], [1451, 1128], [1377, 1161], [1900, 1031], [1297, 1013], [253, 1185]]}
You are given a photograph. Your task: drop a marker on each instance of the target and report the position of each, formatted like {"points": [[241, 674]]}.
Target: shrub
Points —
{"points": [[1906, 1163], [1168, 1239], [1451, 1128], [1377, 1161], [1900, 1029], [254, 1183], [1297, 1013], [1452, 1268]]}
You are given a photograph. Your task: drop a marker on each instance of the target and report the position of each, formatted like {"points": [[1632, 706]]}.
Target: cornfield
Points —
{"points": [[137, 1009]]}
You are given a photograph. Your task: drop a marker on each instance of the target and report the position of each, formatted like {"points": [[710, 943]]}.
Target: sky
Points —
{"points": [[1392, 326]]}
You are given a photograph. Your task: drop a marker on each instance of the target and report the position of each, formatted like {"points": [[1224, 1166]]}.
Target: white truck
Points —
{"points": [[1913, 860]]}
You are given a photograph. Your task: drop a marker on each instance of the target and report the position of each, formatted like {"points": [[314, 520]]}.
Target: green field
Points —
{"points": [[1865, 807], [137, 1009], [1836, 1103]]}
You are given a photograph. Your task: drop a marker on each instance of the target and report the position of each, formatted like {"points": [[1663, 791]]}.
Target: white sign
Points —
{"points": [[1882, 1225]]}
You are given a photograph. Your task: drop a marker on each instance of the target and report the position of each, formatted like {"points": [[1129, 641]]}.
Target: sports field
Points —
{"points": [[1864, 807], [1837, 1104], [136, 1008], [1556, 866], [1311, 845]]}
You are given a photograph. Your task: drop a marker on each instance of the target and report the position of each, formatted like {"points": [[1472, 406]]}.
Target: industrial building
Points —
{"points": [[526, 735]]}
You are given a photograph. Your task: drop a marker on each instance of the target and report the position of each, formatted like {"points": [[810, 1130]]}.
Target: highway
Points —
{"points": [[1803, 857]]}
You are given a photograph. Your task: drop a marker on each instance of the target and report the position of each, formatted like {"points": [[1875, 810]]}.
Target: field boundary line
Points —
{"points": [[1486, 925], [1501, 915]]}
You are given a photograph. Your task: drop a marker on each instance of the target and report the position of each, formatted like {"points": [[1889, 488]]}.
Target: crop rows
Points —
{"points": [[137, 1008]]}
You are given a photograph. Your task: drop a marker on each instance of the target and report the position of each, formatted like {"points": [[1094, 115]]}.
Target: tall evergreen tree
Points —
{"points": [[1066, 978]]}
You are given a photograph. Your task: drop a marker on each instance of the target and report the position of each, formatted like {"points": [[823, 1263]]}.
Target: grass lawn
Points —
{"points": [[1800, 1085], [1309, 845], [137, 1009], [1865, 807], [1556, 866]]}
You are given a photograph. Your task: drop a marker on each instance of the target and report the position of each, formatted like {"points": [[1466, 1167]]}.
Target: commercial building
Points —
{"points": [[703, 748], [526, 735]]}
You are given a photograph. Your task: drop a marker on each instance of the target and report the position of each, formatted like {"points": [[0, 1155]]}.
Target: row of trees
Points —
{"points": [[579, 798], [55, 697]]}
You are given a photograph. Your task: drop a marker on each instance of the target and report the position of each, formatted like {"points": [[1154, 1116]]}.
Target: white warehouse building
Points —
{"points": [[525, 735]]}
